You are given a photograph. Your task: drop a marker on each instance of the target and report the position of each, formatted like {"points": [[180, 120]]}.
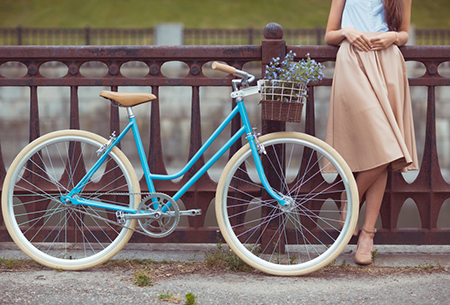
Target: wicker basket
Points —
{"points": [[282, 100], [281, 111]]}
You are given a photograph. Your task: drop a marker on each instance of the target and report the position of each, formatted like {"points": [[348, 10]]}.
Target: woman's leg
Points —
{"points": [[372, 183]]}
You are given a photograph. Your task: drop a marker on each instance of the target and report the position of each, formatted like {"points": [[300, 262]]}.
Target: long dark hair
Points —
{"points": [[393, 13]]}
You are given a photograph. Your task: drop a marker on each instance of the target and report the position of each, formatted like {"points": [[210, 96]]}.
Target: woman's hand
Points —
{"points": [[357, 39], [383, 40]]}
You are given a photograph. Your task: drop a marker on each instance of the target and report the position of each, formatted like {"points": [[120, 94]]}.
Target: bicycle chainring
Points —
{"points": [[166, 215]]}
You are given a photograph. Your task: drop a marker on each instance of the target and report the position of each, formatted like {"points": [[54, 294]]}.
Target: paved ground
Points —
{"points": [[427, 284]]}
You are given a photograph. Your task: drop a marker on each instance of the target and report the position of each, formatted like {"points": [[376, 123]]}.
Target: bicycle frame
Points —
{"points": [[132, 125]]}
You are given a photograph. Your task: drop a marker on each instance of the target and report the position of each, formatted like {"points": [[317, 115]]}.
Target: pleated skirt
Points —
{"points": [[370, 120]]}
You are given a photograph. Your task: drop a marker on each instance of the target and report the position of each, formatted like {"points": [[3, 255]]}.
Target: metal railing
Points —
{"points": [[429, 190], [146, 36]]}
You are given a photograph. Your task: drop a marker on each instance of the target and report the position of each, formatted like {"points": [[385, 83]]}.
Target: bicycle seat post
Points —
{"points": [[130, 112]]}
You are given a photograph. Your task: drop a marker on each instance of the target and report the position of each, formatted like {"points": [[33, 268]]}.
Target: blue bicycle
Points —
{"points": [[71, 199]]}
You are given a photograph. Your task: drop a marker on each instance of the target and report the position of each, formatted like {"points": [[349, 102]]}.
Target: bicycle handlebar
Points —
{"points": [[246, 77], [224, 68]]}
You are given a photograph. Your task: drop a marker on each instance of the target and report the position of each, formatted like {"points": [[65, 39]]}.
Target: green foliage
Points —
{"points": [[146, 261], [425, 266], [344, 263], [374, 255], [193, 14], [142, 280], [130, 262], [166, 295], [223, 258], [9, 263], [191, 299]]}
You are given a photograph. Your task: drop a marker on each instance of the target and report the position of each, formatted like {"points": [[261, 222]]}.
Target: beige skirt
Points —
{"points": [[370, 119]]}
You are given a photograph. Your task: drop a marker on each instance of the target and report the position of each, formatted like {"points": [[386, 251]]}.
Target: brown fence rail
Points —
{"points": [[429, 190], [146, 36]]}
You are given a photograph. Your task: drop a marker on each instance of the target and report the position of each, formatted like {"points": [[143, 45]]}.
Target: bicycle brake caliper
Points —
{"points": [[105, 146], [261, 148]]}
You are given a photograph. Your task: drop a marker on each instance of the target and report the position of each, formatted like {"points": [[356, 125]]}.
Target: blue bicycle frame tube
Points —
{"points": [[77, 189], [256, 157], [245, 129], [200, 152]]}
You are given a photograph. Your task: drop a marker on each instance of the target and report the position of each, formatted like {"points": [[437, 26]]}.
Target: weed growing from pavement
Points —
{"points": [[425, 266], [169, 297], [221, 257], [10, 263], [166, 295], [191, 299], [374, 255], [344, 263], [142, 279], [218, 263]]}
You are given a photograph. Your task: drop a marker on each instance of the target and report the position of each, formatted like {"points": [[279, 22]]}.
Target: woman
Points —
{"points": [[370, 119]]}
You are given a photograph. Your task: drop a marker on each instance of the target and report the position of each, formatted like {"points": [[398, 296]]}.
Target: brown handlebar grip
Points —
{"points": [[224, 68]]}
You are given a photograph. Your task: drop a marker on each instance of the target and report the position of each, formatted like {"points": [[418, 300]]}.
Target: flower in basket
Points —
{"points": [[288, 81]]}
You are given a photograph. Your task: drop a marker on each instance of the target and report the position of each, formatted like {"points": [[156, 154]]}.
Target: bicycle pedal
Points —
{"points": [[121, 217], [194, 212]]}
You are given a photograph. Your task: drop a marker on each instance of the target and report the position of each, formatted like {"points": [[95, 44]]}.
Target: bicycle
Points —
{"points": [[71, 199]]}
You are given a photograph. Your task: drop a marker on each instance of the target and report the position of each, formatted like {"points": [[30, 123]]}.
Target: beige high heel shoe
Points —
{"points": [[364, 259]]}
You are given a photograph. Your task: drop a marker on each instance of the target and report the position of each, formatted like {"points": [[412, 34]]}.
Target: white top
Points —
{"points": [[364, 16]]}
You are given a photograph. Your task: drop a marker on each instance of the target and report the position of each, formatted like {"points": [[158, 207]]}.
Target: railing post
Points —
{"points": [[272, 46], [319, 35], [87, 35], [19, 35], [250, 35]]}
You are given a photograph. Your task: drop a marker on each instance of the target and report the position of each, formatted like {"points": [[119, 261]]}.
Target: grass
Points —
{"points": [[11, 264], [223, 258], [142, 279], [193, 14], [191, 299], [145, 273], [374, 255], [164, 296]]}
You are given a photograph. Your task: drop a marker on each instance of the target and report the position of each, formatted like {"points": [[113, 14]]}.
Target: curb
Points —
{"points": [[386, 255]]}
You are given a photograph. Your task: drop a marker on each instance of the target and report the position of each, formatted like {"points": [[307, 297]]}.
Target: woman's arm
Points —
{"points": [[335, 35], [400, 37]]}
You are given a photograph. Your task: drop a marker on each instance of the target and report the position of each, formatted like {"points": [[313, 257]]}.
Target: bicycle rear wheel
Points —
{"points": [[308, 234], [59, 235]]}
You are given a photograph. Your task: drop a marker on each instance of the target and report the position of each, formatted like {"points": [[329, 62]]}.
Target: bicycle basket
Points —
{"points": [[282, 100]]}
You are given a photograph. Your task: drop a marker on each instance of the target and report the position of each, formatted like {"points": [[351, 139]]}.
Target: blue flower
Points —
{"points": [[298, 74]]}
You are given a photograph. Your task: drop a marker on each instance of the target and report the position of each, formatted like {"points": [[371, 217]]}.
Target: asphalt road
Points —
{"points": [[387, 282], [116, 287]]}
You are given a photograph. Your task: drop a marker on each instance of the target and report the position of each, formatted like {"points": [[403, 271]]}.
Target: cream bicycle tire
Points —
{"points": [[238, 196], [86, 242]]}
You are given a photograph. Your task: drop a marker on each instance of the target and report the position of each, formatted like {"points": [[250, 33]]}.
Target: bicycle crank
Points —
{"points": [[158, 215], [156, 223]]}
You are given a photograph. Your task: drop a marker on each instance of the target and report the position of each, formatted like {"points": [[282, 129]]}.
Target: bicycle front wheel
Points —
{"points": [[307, 234], [65, 236]]}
